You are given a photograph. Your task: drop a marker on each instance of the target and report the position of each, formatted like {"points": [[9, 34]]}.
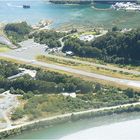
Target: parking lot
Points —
{"points": [[29, 50]]}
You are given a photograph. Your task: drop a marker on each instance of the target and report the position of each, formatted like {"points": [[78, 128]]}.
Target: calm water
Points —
{"points": [[71, 130], [11, 10], [102, 6]]}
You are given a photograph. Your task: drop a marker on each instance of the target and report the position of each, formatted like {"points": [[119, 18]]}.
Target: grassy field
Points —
{"points": [[77, 35], [4, 48], [1, 97], [1, 28], [88, 68], [2, 120], [94, 60]]}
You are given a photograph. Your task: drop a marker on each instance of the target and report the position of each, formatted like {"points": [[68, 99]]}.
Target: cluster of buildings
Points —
{"points": [[126, 6]]}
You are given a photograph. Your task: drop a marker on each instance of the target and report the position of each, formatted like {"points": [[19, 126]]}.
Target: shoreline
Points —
{"points": [[18, 129], [107, 132], [102, 9]]}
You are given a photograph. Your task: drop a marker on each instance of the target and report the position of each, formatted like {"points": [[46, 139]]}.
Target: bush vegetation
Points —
{"points": [[7, 69], [17, 32], [37, 106], [50, 38]]}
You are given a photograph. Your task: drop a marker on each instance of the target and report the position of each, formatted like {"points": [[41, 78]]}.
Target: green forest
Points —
{"points": [[17, 32], [114, 47], [50, 38]]}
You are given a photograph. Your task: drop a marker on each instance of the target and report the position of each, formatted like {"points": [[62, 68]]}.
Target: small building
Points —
{"points": [[86, 37], [125, 30], [73, 94], [23, 72], [69, 53], [32, 73]]}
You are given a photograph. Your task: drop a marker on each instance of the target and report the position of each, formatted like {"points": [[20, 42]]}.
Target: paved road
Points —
{"points": [[97, 65], [89, 74], [72, 70], [6, 41], [30, 49]]}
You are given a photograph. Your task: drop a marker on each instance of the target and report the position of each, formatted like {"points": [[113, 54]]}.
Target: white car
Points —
{"points": [[32, 61]]}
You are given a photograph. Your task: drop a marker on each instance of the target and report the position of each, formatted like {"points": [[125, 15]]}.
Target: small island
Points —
{"points": [[26, 6]]}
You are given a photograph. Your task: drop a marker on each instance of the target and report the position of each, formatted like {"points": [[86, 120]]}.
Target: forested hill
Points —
{"points": [[119, 47]]}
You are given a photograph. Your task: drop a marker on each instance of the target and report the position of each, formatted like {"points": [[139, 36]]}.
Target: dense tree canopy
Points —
{"points": [[7, 69], [114, 47], [50, 38], [119, 47], [17, 31], [81, 48]]}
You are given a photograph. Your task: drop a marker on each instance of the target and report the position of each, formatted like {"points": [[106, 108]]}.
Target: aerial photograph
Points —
{"points": [[70, 69]]}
